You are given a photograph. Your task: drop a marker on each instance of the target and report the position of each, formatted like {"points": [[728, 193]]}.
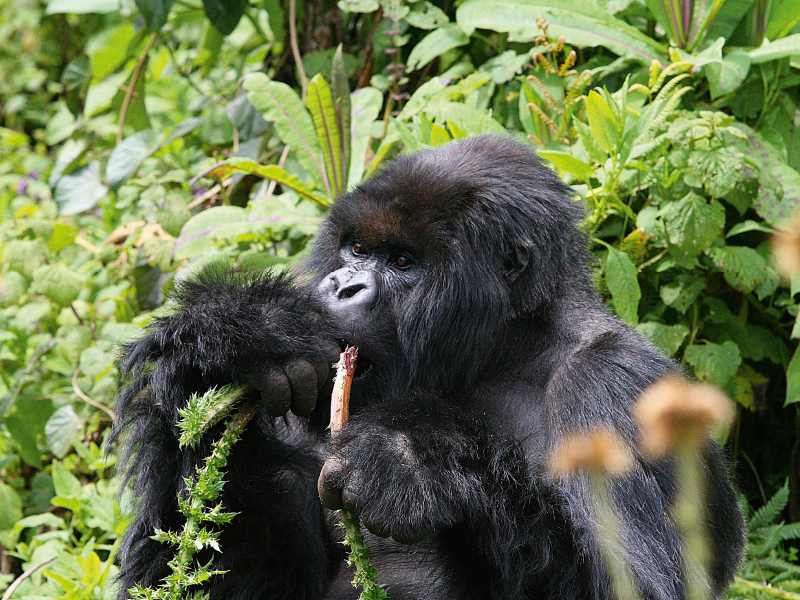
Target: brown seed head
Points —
{"points": [[673, 411], [600, 450], [786, 249]]}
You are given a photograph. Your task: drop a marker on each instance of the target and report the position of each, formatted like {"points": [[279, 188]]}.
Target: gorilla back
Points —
{"points": [[462, 277]]}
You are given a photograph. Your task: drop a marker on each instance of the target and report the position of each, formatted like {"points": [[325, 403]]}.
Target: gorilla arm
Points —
{"points": [[264, 331]]}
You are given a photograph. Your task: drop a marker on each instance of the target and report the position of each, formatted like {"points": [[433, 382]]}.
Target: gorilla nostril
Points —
{"points": [[349, 291]]}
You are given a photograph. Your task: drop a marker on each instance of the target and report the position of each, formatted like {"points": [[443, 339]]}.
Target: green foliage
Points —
{"points": [[197, 504]]}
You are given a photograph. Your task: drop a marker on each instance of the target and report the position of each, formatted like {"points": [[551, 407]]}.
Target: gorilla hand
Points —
{"points": [[403, 484], [294, 386]]}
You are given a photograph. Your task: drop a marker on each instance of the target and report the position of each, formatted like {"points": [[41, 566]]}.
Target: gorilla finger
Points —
{"points": [[407, 537], [379, 530], [303, 380], [330, 494], [323, 371], [276, 394], [350, 502]]}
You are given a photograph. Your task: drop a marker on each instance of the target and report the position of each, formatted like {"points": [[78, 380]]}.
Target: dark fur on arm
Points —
{"points": [[226, 328]]}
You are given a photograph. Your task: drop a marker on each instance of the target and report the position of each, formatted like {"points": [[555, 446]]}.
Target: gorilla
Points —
{"points": [[463, 279]]}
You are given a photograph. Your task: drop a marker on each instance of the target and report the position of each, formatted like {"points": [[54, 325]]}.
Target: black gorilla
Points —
{"points": [[461, 276]]}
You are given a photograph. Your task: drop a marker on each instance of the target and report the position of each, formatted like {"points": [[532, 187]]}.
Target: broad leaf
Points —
{"points": [[693, 224], [225, 14], [622, 279], [788, 46], [435, 44], [714, 363], [80, 190], [340, 89], [580, 22], [250, 167], [426, 16], [155, 12], [61, 429], [77, 7], [128, 155], [279, 103], [319, 102], [568, 163], [366, 105], [667, 337], [743, 267]]}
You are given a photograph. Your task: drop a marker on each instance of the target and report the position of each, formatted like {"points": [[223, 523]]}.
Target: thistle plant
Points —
{"points": [[198, 502]]}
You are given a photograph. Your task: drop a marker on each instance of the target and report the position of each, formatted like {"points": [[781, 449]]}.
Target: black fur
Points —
{"points": [[479, 356]]}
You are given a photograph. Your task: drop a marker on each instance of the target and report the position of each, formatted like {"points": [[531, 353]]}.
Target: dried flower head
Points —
{"points": [[673, 411], [599, 450], [786, 249]]}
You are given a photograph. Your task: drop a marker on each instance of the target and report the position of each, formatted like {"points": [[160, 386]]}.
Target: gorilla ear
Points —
{"points": [[516, 262]]}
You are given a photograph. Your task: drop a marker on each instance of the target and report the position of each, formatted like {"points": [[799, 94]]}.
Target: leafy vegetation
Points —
{"points": [[139, 141]]}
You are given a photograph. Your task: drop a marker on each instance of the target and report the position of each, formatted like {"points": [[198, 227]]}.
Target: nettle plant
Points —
{"points": [[692, 268]]}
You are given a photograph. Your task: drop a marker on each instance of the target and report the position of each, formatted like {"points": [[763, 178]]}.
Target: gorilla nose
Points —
{"points": [[348, 289]]}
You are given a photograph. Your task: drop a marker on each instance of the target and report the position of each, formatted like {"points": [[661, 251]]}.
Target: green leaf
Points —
{"points": [[783, 16], [80, 190], [10, 507], [61, 428], [128, 155], [770, 511], [782, 48], [726, 75], [136, 112], [714, 363], [580, 22], [155, 13], [65, 483], [24, 434], [77, 7], [793, 379], [365, 106], [693, 224], [505, 66], [435, 44], [568, 164], [603, 122], [467, 118], [279, 103], [426, 16], [225, 14], [340, 88], [667, 337], [358, 6], [57, 283], [622, 279], [63, 236], [319, 102], [250, 167], [743, 267]]}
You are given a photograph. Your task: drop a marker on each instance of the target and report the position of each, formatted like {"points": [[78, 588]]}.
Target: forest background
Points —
{"points": [[141, 140]]}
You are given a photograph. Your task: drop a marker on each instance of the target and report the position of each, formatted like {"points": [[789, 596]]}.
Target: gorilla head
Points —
{"points": [[441, 248]]}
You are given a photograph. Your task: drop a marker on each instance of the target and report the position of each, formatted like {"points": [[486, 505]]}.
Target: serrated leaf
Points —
{"points": [[435, 44], [693, 224], [714, 363], [622, 279], [61, 428], [667, 337], [319, 102], [743, 267], [280, 104]]}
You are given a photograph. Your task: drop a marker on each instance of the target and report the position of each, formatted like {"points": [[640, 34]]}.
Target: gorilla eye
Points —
{"points": [[359, 248], [403, 261]]}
